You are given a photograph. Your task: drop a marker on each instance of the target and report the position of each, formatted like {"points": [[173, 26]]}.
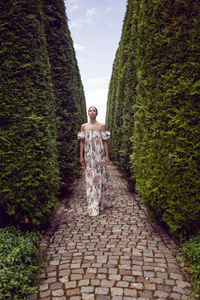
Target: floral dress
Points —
{"points": [[98, 184]]}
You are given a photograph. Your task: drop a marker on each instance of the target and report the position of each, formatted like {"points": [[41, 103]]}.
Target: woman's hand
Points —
{"points": [[107, 160], [82, 162]]}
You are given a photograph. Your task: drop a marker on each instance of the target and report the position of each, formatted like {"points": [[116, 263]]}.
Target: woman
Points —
{"points": [[94, 156]]}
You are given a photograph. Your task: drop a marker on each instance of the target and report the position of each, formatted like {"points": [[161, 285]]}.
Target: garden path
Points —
{"points": [[117, 255]]}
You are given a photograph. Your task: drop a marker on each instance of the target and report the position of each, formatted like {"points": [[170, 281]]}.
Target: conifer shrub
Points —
{"points": [[166, 141], [153, 109], [111, 108], [67, 86], [28, 166], [121, 97], [112, 112]]}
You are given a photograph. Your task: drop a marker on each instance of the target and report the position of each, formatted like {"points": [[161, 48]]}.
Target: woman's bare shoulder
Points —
{"points": [[83, 126], [102, 126]]}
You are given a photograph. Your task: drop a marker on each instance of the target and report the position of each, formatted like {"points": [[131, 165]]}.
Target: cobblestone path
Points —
{"points": [[116, 255]]}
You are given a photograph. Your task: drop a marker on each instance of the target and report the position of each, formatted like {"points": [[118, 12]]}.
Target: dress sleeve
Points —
{"points": [[81, 135], [105, 135]]}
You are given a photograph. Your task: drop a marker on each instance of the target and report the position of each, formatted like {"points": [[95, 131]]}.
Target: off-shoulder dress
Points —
{"points": [[100, 194]]}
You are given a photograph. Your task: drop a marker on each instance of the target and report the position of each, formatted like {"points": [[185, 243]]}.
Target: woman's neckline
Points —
{"points": [[95, 130]]}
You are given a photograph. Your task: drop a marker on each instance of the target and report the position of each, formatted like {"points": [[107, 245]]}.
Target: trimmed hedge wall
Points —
{"points": [[165, 119], [67, 86], [28, 116], [122, 96], [29, 173]]}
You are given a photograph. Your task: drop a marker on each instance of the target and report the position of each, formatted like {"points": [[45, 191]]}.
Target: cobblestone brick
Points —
{"points": [[101, 291], [83, 282], [70, 284], [87, 289], [58, 293], [145, 294], [101, 297], [45, 294], [87, 297], [130, 292], [115, 277], [161, 294], [164, 288], [32, 297], [43, 287], [72, 292], [56, 285], [137, 286], [107, 283], [76, 276], [176, 276], [175, 296], [89, 276], [116, 291], [150, 286], [95, 282]]}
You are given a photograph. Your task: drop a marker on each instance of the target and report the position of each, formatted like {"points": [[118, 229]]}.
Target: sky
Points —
{"points": [[95, 27]]}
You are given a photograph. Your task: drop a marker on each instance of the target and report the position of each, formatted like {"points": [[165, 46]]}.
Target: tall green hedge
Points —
{"points": [[29, 173], [30, 124], [122, 96], [111, 109], [166, 144], [67, 86]]}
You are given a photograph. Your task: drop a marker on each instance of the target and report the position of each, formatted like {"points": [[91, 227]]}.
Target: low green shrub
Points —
{"points": [[19, 262], [191, 250]]}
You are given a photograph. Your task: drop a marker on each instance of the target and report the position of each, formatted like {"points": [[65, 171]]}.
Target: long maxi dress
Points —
{"points": [[100, 194]]}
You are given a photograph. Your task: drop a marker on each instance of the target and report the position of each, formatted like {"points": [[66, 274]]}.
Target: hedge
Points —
{"points": [[165, 110], [29, 173], [37, 115], [67, 86], [121, 97]]}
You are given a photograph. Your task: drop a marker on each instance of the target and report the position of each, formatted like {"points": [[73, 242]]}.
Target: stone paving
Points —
{"points": [[116, 255]]}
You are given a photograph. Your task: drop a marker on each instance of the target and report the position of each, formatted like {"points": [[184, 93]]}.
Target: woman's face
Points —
{"points": [[92, 112]]}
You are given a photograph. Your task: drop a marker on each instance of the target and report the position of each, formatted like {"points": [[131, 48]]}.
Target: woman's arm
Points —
{"points": [[81, 153], [106, 152], [105, 143], [82, 142]]}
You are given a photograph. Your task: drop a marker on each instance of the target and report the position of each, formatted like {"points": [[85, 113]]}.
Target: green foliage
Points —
{"points": [[121, 97], [68, 90], [42, 106], [191, 250], [166, 140], [154, 99], [19, 262], [29, 173]]}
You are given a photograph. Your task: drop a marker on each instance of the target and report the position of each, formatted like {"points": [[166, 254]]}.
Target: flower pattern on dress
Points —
{"points": [[99, 189]]}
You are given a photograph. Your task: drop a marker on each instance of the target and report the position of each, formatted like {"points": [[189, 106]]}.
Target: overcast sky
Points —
{"points": [[95, 27]]}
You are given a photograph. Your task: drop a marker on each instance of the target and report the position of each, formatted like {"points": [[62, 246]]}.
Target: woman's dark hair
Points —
{"points": [[94, 107]]}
